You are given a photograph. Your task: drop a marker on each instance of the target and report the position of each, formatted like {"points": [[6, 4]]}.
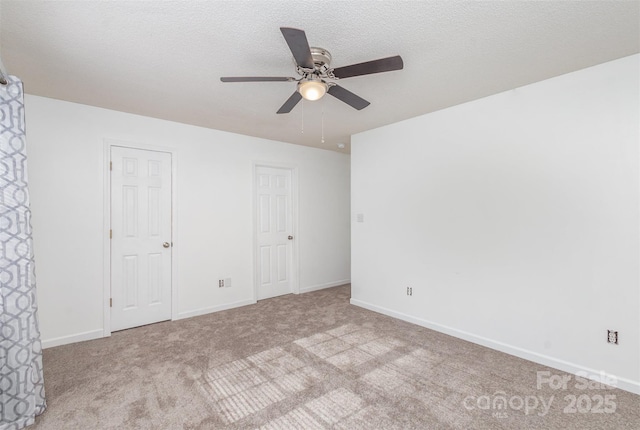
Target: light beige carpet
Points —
{"points": [[310, 362]]}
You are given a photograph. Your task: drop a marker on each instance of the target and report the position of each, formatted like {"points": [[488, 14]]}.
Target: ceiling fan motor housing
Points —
{"points": [[321, 59]]}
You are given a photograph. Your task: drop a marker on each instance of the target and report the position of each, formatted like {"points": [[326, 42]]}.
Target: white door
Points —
{"points": [[141, 237], [274, 232]]}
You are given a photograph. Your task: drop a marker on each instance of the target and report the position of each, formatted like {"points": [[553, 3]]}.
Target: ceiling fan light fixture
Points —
{"points": [[312, 89]]}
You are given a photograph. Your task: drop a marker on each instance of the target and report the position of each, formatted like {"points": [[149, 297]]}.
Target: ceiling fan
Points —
{"points": [[316, 75]]}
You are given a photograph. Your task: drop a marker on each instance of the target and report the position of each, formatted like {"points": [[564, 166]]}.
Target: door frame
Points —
{"points": [[295, 267], [106, 247]]}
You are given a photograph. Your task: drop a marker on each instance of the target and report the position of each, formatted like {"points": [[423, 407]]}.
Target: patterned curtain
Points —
{"points": [[21, 378]]}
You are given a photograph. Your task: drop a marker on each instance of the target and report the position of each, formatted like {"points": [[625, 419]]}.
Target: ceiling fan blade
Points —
{"points": [[290, 103], [297, 41], [369, 67], [348, 97], [256, 79]]}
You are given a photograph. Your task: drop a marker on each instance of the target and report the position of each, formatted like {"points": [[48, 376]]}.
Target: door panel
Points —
{"points": [[155, 278], [265, 213], [140, 224], [283, 263], [265, 263], [130, 275], [274, 216]]}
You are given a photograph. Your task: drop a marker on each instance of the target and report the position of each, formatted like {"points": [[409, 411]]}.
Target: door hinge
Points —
{"points": [[110, 303], [110, 165], [110, 234]]}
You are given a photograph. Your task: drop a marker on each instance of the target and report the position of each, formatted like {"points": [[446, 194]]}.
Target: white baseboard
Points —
{"points": [[622, 383], [211, 309], [323, 286], [73, 338], [96, 334]]}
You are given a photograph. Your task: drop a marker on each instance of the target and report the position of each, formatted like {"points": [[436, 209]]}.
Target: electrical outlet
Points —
{"points": [[227, 282], [612, 337], [409, 291], [220, 283]]}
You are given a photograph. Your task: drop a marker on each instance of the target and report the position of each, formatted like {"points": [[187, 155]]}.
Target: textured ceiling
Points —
{"points": [[164, 59]]}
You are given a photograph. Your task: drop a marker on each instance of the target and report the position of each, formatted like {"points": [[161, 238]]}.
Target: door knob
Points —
{"points": [[166, 244], [290, 237]]}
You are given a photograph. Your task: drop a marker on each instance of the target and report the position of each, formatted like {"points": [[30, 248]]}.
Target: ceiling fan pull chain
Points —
{"points": [[302, 116], [322, 122]]}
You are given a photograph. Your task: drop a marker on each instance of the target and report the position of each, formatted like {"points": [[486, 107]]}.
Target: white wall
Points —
{"points": [[514, 218], [214, 234]]}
